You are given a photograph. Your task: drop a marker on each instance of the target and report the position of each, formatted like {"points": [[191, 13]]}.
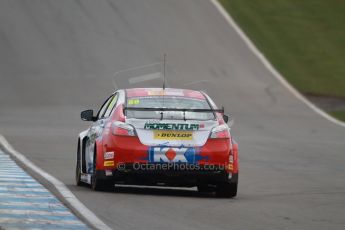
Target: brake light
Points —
{"points": [[221, 132], [123, 129]]}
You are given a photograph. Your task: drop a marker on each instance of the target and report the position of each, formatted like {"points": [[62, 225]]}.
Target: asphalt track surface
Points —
{"points": [[57, 58]]}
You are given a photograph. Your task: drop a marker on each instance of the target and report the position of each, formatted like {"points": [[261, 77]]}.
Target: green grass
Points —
{"points": [[339, 115], [303, 39]]}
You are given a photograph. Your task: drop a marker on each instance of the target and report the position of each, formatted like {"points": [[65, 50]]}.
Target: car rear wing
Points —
{"points": [[173, 109], [225, 117]]}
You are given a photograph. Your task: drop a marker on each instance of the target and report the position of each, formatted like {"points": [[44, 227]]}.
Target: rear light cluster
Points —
{"points": [[122, 129], [220, 132]]}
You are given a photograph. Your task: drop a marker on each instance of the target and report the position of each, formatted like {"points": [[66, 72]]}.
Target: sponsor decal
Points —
{"points": [[164, 92], [171, 126], [172, 135], [166, 154], [89, 166], [108, 173], [109, 163], [156, 93], [108, 155], [230, 167], [85, 178]]}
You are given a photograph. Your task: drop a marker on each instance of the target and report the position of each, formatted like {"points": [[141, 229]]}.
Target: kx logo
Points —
{"points": [[163, 154]]}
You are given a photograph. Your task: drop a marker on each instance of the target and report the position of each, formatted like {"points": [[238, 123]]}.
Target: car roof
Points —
{"points": [[146, 92]]}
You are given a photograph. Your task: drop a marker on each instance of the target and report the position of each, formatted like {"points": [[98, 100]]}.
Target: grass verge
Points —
{"points": [[338, 114], [304, 40]]}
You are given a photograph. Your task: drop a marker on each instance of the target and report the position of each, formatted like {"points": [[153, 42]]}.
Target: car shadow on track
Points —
{"points": [[149, 191], [162, 192]]}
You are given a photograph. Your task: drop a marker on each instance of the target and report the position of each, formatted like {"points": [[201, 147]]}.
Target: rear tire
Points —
{"points": [[99, 184], [78, 181], [226, 190]]}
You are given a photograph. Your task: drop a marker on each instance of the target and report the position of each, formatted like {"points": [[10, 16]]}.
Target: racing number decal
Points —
{"points": [[133, 102]]}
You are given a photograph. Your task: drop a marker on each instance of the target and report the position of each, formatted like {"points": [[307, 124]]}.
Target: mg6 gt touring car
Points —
{"points": [[154, 136]]}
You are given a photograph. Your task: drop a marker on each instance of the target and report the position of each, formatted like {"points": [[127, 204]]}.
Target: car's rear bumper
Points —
{"points": [[133, 174], [130, 150]]}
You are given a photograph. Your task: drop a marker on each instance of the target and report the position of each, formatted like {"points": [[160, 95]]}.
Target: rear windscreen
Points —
{"points": [[169, 102]]}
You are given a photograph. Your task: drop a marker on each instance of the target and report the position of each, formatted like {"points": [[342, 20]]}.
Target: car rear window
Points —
{"points": [[169, 102]]}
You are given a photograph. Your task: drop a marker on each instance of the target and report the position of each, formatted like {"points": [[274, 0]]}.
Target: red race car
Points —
{"points": [[155, 136]]}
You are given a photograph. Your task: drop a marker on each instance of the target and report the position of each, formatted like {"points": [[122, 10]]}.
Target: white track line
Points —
{"points": [[61, 188], [17, 171], [17, 179], [28, 189], [27, 185], [37, 221], [26, 196], [15, 176], [269, 66], [35, 212], [31, 204]]}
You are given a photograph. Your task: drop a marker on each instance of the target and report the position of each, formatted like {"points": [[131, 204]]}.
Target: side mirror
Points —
{"points": [[87, 115], [228, 120], [225, 118]]}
